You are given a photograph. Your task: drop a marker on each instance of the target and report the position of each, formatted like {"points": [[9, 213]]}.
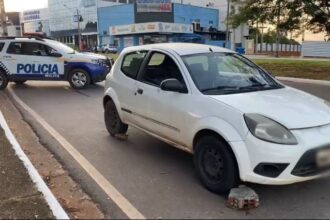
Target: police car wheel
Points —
{"points": [[19, 82], [113, 122], [79, 79], [3, 81]]}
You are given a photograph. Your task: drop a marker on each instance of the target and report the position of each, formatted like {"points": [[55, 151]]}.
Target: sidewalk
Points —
{"points": [[19, 198]]}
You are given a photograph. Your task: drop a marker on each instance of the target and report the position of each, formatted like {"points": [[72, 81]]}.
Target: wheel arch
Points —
{"points": [[209, 132], [110, 95]]}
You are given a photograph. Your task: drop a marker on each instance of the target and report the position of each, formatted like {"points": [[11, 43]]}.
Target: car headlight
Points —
{"points": [[97, 61], [269, 130]]}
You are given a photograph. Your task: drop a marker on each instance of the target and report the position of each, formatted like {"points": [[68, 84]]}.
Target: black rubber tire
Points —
{"points": [[73, 72], [224, 173], [19, 82], [3, 81], [112, 120]]}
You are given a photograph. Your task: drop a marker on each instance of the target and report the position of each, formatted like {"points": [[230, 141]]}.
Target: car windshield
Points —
{"points": [[60, 47], [227, 73]]}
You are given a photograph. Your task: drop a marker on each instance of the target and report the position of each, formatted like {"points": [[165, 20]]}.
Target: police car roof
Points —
{"points": [[180, 48], [22, 38]]}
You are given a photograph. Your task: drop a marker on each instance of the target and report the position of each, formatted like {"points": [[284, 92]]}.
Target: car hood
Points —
{"points": [[291, 107], [88, 56]]}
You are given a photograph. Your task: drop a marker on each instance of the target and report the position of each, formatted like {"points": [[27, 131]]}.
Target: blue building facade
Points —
{"points": [[123, 26]]}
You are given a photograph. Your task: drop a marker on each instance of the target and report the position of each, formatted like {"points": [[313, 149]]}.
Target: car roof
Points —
{"points": [[180, 48]]}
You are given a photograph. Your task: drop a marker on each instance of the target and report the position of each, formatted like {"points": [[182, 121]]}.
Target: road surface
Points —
{"points": [[158, 180]]}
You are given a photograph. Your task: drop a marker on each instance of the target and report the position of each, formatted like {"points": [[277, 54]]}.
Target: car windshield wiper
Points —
{"points": [[224, 88]]}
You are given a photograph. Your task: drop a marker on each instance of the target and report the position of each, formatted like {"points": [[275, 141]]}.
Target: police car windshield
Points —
{"points": [[60, 47]]}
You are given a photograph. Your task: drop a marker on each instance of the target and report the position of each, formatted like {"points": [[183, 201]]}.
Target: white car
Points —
{"points": [[32, 58], [240, 123], [109, 49]]}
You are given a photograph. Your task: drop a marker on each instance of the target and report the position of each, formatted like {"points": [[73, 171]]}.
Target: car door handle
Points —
{"points": [[140, 91]]}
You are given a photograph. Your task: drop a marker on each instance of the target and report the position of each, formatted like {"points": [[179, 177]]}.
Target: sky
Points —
{"points": [[20, 5]]}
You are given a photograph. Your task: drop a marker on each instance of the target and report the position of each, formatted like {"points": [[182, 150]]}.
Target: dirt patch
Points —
{"points": [[70, 195]]}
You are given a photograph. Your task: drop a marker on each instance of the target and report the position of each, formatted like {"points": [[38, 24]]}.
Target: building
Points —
{"points": [[12, 24], [35, 21], [144, 22], [239, 35]]}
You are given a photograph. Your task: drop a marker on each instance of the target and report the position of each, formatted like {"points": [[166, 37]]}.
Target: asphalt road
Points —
{"points": [[157, 179]]}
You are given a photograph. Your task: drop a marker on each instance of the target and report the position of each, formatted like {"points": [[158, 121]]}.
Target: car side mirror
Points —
{"points": [[56, 54], [173, 85]]}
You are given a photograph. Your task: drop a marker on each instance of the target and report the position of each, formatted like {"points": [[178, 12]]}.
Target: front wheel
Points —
{"points": [[112, 120], [79, 79], [3, 80], [215, 165]]}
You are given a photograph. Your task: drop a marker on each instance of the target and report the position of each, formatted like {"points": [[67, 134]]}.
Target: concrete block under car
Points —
{"points": [[243, 198]]}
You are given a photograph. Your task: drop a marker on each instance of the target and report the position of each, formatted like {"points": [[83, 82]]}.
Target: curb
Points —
{"points": [[54, 205], [301, 80]]}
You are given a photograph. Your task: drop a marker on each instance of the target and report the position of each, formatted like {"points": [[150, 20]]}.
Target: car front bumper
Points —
{"points": [[275, 164]]}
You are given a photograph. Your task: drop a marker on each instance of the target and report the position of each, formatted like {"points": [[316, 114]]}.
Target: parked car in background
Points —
{"points": [[107, 48]]}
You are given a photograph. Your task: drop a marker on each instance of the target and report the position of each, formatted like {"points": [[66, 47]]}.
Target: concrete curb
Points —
{"points": [[300, 80], [54, 205]]}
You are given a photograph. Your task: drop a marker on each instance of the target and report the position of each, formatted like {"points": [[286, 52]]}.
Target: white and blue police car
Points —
{"points": [[34, 58]]}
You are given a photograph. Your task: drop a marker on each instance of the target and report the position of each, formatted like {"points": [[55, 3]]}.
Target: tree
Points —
{"points": [[284, 15], [318, 15]]}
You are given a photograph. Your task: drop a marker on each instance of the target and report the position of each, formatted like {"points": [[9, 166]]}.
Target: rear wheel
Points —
{"points": [[3, 80], [112, 120], [215, 164], [79, 79]]}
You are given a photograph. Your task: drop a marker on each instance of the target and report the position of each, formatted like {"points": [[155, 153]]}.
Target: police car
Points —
{"points": [[34, 58]]}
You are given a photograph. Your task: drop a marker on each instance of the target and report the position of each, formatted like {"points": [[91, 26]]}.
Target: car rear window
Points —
{"points": [[132, 63], [1, 46]]}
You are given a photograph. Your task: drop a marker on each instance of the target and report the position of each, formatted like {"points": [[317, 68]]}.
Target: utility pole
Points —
{"points": [[79, 31], [227, 23], [3, 19], [77, 13]]}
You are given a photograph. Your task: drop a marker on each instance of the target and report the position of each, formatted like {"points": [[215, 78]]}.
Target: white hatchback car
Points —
{"points": [[238, 121]]}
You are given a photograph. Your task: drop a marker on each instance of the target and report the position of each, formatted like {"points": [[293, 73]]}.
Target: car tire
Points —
{"points": [[112, 120], [215, 164], [79, 79], [19, 82], [3, 80]]}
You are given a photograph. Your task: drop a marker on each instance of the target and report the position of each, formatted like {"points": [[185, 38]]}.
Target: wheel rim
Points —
{"points": [[113, 118], [79, 79], [213, 164]]}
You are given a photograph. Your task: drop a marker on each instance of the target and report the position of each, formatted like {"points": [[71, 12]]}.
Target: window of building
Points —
{"points": [[132, 63]]}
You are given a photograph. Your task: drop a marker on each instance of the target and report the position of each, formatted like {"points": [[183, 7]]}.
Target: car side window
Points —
{"points": [[1, 46], [159, 68], [132, 63], [27, 48]]}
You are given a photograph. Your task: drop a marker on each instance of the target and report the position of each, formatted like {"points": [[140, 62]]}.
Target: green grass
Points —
{"points": [[308, 69]]}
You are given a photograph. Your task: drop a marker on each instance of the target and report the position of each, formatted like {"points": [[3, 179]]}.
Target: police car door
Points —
{"points": [[33, 60]]}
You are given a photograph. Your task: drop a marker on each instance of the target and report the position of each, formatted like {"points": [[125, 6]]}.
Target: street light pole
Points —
{"points": [[78, 21], [79, 31], [227, 23]]}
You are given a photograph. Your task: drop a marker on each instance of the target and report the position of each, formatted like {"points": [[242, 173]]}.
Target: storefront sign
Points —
{"points": [[151, 27], [153, 6], [31, 15]]}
